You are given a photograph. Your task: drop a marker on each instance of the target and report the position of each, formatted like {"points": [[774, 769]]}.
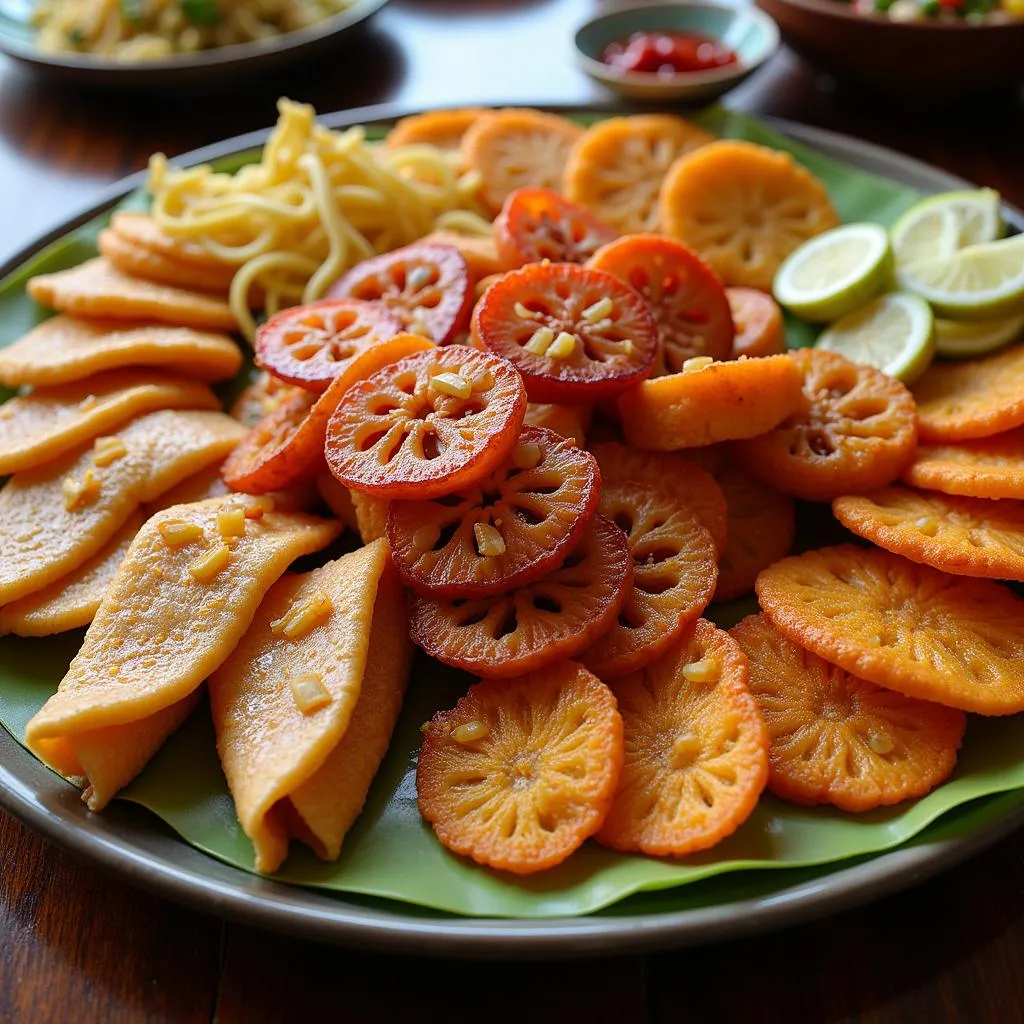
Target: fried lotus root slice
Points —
{"points": [[138, 261], [286, 446], [508, 529], [181, 600], [537, 224], [907, 627], [757, 319], [305, 704], [709, 403], [522, 771], [856, 431], [674, 576], [836, 739], [684, 294], [575, 334], [967, 400], [616, 167], [442, 129], [310, 345], [49, 422], [96, 290], [744, 208], [571, 421], [695, 749], [261, 397], [762, 525], [992, 467], [62, 349], [963, 536], [515, 148], [521, 630], [684, 480], [428, 425], [424, 285]]}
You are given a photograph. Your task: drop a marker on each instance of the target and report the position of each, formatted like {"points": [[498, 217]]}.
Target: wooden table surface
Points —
{"points": [[76, 945]]}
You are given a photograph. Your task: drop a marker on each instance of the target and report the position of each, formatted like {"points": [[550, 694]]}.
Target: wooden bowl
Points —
{"points": [[940, 58]]}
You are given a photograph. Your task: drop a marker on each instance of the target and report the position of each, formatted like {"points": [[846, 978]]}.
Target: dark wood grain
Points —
{"points": [[78, 946]]}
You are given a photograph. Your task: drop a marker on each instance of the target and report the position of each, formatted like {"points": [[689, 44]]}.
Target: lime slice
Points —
{"points": [[942, 224], [895, 333], [980, 282], [965, 339], [834, 272]]}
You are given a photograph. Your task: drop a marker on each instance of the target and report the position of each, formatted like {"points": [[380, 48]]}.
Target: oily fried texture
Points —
{"points": [[964, 536], [260, 397], [992, 467], [975, 398], [721, 402], [571, 421], [696, 749], [616, 167], [521, 630], [761, 524], [836, 739], [442, 129], [128, 257], [140, 229], [856, 430], [537, 780], [758, 322], [907, 627], [744, 208], [674, 576]]}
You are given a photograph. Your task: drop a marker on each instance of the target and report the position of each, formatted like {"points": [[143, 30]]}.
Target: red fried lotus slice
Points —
{"points": [[310, 345], [287, 445], [685, 295], [504, 531], [429, 425], [537, 224], [523, 629], [575, 334], [425, 285]]}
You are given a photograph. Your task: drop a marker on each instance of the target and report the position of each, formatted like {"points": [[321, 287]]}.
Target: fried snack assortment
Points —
{"points": [[558, 439]]}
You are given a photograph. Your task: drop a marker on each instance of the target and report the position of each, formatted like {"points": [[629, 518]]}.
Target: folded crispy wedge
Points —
{"points": [[137, 261], [305, 705], [184, 595]]}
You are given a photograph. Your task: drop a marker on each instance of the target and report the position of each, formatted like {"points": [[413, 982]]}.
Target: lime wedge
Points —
{"points": [[965, 339], [895, 333], [980, 282], [942, 224], [834, 272]]}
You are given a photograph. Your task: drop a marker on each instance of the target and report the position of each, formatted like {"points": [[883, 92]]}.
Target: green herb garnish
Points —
{"points": [[201, 12]]}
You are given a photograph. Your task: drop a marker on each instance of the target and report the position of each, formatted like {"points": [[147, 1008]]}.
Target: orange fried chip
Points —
{"points": [[674, 576], [744, 208], [856, 431], [992, 467], [570, 421], [979, 398], [761, 523], [696, 749], [442, 129], [836, 739], [138, 261], [758, 322], [717, 402], [140, 229], [907, 627], [684, 480], [521, 771], [964, 536]]}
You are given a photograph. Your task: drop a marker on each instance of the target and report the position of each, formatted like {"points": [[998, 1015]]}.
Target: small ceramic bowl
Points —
{"points": [[750, 33]]}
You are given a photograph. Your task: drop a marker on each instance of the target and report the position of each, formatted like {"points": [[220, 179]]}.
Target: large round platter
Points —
{"points": [[130, 842]]}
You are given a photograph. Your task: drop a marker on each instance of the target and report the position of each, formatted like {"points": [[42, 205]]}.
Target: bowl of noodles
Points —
{"points": [[171, 42]]}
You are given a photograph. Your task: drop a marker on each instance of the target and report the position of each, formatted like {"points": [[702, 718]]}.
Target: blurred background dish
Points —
{"points": [[690, 51], [923, 56]]}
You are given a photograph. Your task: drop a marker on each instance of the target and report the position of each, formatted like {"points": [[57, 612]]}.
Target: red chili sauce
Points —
{"points": [[667, 53]]}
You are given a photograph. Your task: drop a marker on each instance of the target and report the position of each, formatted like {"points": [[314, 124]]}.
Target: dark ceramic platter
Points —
{"points": [[133, 844], [205, 68]]}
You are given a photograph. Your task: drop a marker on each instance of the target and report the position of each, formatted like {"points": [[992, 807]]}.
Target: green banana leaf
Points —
{"points": [[391, 853]]}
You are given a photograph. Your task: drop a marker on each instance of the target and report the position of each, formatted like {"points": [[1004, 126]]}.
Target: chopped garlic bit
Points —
{"points": [[176, 533], [928, 525], [524, 313], [881, 743], [601, 325], [206, 567], [303, 616], [453, 384], [701, 672], [526, 455], [598, 311], [488, 541], [309, 692], [107, 450], [425, 538], [563, 346], [231, 521], [470, 732], [696, 364], [540, 342], [88, 403], [418, 277], [79, 493]]}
